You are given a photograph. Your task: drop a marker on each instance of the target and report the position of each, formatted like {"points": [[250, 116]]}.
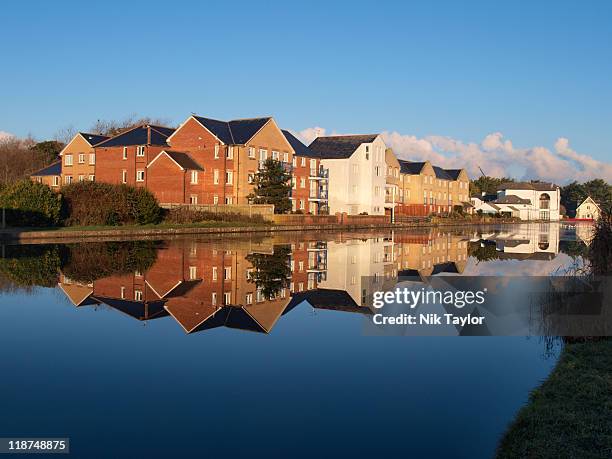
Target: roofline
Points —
{"points": [[195, 118], [164, 152], [33, 174], [121, 133], [181, 324]]}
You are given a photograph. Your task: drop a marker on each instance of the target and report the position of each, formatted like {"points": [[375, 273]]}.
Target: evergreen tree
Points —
{"points": [[272, 186], [271, 273]]}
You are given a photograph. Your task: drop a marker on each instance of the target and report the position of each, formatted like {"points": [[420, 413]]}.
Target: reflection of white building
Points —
{"points": [[527, 241], [527, 201], [349, 262]]}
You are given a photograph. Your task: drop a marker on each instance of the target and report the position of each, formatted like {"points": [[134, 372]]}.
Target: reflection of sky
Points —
{"points": [[518, 267], [314, 386]]}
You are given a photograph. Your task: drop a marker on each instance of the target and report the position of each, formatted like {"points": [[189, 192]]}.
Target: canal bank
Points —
{"points": [[153, 231]]}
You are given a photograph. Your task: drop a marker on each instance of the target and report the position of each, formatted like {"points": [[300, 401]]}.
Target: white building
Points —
{"points": [[357, 166], [527, 201], [588, 210]]}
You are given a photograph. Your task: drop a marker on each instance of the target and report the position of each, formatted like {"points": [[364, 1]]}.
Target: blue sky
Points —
{"points": [[534, 71]]}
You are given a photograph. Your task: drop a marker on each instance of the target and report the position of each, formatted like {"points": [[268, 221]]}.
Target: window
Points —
{"points": [[213, 298], [81, 158], [355, 169], [92, 178], [92, 158], [68, 160], [193, 272], [56, 180], [294, 161], [229, 200], [81, 178], [251, 177], [301, 204], [263, 154], [230, 152], [376, 191], [138, 295], [227, 298], [229, 177], [227, 273], [286, 157], [302, 182], [214, 273], [293, 183], [194, 177], [275, 155], [252, 152], [68, 179], [303, 163], [140, 175], [193, 199], [248, 299], [140, 151], [215, 200], [377, 171], [122, 292], [367, 148], [124, 152], [216, 176], [216, 151], [123, 176]]}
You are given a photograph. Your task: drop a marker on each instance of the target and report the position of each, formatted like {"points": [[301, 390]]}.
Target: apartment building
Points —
{"points": [[209, 161], [50, 175], [426, 189], [356, 165], [310, 179], [393, 182], [79, 158], [124, 158]]}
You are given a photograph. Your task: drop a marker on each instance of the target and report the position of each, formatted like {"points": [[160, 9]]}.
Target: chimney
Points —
{"points": [[148, 135]]}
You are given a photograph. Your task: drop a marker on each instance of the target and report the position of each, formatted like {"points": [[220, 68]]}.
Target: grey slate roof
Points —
{"points": [[139, 136], [339, 146], [299, 148], [538, 186], [234, 132], [453, 173], [184, 160], [94, 139], [512, 199], [52, 169], [410, 167], [441, 173]]}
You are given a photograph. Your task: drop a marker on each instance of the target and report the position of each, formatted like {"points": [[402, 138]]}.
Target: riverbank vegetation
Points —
{"points": [[570, 414]]}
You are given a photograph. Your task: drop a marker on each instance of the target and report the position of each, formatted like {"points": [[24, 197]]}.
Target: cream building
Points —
{"points": [[357, 172], [588, 210]]}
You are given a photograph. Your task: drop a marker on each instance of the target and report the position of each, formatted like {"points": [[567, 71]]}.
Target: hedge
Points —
{"points": [[30, 203]]}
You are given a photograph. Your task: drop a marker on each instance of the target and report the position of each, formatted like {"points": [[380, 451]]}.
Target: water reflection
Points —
{"points": [[250, 284]]}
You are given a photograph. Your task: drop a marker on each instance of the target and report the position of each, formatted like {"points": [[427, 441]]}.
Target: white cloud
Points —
{"points": [[5, 135], [496, 155], [309, 134]]}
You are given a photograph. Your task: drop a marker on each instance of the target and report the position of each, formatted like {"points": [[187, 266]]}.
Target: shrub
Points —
{"points": [[182, 215], [93, 203], [30, 204]]}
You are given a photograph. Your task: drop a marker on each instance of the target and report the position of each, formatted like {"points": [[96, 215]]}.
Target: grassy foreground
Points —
{"points": [[570, 414]]}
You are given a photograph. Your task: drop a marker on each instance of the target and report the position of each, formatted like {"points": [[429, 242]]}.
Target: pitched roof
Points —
{"points": [[441, 173], [233, 132], [410, 167], [453, 173], [511, 199], [139, 136], [299, 148], [538, 186], [183, 160], [589, 199], [52, 169], [93, 139], [340, 146]]}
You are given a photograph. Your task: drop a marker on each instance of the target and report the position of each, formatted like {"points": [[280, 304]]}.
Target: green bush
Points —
{"points": [[30, 204], [93, 203]]}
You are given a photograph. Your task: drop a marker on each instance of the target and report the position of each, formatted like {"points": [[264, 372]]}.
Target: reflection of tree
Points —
{"points": [[88, 262], [483, 250], [31, 265], [573, 248], [271, 273]]}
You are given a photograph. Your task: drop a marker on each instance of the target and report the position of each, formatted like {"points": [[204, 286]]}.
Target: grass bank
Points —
{"points": [[570, 414]]}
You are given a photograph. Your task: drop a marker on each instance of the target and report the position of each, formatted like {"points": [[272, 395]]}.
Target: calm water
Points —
{"points": [[170, 348]]}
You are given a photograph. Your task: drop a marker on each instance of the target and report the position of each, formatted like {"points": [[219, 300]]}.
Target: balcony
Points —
{"points": [[287, 167], [320, 174], [320, 195]]}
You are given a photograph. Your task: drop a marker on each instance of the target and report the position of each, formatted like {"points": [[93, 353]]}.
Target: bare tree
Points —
{"points": [[65, 134], [114, 127]]}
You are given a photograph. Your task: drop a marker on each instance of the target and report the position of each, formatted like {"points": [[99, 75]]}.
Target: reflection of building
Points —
{"points": [[209, 285], [537, 241]]}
